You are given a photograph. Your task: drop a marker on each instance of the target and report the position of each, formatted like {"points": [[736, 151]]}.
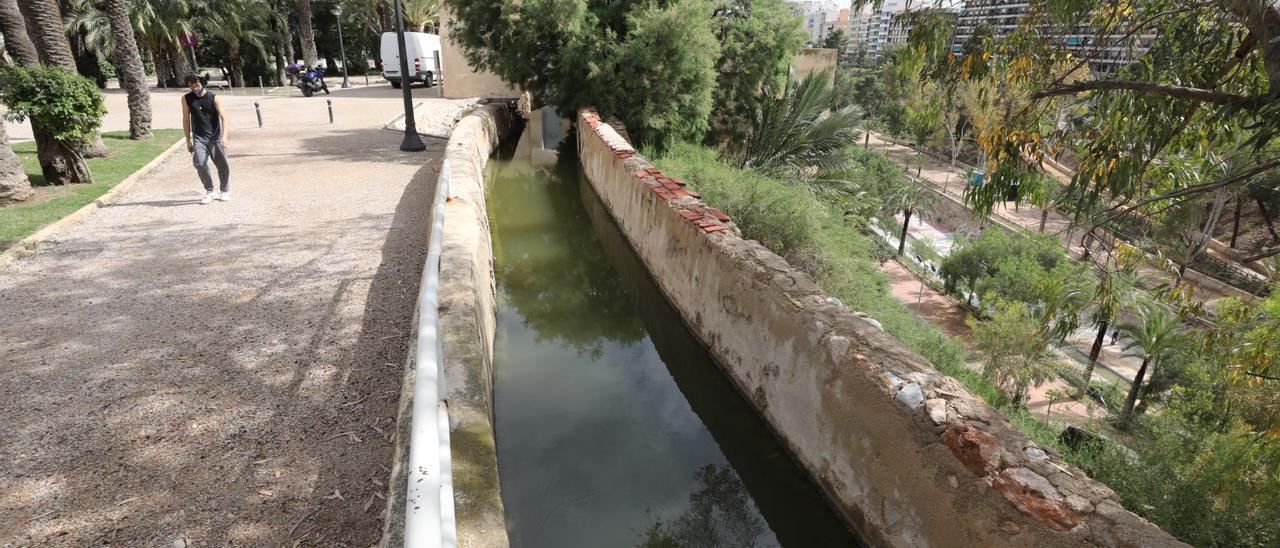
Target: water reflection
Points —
{"points": [[597, 443]]}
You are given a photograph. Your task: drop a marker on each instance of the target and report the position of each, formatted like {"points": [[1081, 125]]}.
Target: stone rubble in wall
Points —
{"points": [[1033, 479]]}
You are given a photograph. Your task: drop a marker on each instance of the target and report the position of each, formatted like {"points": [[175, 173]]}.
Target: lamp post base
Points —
{"points": [[412, 143], [345, 83]]}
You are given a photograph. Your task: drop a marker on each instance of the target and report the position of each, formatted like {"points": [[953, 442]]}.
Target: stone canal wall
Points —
{"points": [[908, 456]]}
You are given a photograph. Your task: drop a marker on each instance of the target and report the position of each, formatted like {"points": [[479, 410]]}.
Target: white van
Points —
{"points": [[423, 52]]}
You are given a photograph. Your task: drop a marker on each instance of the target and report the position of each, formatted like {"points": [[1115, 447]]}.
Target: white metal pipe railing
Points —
{"points": [[429, 514]]}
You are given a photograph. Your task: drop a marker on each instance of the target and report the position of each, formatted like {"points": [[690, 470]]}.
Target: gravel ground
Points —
{"points": [[223, 374]]}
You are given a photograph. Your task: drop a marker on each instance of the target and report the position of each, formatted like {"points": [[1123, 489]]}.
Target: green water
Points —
{"points": [[614, 426]]}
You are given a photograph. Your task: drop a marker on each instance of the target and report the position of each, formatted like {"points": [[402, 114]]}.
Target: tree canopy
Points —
{"points": [[656, 65]]}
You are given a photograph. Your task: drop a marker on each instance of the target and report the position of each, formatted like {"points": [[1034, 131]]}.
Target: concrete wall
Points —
{"points": [[461, 80], [908, 456], [466, 325]]}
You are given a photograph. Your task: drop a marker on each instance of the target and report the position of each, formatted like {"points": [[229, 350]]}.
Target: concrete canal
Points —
{"points": [[614, 426]]}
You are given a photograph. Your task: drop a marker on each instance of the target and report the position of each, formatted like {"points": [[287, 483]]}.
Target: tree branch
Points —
{"points": [[1261, 255], [1195, 189], [1182, 92], [1261, 376]]}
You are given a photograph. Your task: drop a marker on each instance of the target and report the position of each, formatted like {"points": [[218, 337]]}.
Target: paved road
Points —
{"points": [[228, 373]]}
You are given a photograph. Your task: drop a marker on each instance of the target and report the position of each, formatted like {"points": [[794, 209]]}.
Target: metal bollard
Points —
{"points": [[366, 80], [330, 101], [261, 89], [258, 109]]}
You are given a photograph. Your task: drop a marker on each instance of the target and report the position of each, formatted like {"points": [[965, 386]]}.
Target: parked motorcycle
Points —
{"points": [[310, 80]]}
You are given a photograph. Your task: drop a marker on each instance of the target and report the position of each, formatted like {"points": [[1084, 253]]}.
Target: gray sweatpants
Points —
{"points": [[206, 148]]}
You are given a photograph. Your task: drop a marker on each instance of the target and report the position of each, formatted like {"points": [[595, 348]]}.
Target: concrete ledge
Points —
{"points": [[28, 245], [908, 456], [466, 325]]}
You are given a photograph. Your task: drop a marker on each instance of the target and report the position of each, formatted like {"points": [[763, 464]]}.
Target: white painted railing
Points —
{"points": [[429, 514]]}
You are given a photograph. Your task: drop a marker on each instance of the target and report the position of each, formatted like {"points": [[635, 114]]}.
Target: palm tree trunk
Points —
{"points": [[16, 40], [164, 69], [1127, 411], [181, 64], [60, 163], [1094, 352], [1266, 216], [132, 77], [14, 185], [1044, 217], [236, 62], [305, 34], [906, 221], [45, 23]]}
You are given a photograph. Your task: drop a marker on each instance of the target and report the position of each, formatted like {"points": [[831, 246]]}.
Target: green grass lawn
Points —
{"points": [[53, 203]]}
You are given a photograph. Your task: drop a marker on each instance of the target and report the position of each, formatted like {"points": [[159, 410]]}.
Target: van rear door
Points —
{"points": [[390, 55]]}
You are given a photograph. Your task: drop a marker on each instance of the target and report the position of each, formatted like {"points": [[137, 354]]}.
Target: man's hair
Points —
{"points": [[191, 78]]}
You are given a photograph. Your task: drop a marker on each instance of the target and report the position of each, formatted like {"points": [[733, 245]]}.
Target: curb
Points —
{"points": [[28, 245]]}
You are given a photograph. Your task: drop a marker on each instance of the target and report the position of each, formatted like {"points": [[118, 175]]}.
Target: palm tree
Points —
{"points": [[238, 23], [795, 139], [132, 77], [913, 196], [157, 24], [14, 185], [305, 34], [1113, 294], [1157, 337], [421, 14]]}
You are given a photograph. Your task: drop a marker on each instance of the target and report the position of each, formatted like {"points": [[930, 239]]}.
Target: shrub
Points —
{"points": [[68, 107]]}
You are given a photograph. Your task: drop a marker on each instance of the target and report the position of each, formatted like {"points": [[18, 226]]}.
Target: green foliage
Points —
{"points": [[1015, 349], [650, 63], [1206, 488], [798, 138], [1008, 265], [838, 41], [757, 40], [818, 239], [67, 106]]}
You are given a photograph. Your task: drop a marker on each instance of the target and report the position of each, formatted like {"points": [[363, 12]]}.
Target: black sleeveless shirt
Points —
{"points": [[204, 115]]}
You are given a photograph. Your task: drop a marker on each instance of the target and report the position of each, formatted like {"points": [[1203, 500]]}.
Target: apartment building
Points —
{"points": [[1106, 53]]}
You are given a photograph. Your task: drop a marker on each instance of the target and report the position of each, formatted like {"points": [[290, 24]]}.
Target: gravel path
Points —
{"points": [[223, 374]]}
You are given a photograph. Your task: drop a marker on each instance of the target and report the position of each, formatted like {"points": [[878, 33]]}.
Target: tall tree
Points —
{"points": [[239, 24], [305, 33], [1158, 336], [129, 63], [14, 185]]}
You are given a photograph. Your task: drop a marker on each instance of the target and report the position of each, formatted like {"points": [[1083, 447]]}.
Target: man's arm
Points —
{"points": [[222, 119], [186, 124]]}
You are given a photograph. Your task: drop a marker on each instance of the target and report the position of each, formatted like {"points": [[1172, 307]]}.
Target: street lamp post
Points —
{"points": [[411, 143], [342, 46]]}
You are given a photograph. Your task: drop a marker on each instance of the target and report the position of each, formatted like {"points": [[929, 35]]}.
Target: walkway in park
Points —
{"points": [[1028, 216], [221, 374], [941, 310]]}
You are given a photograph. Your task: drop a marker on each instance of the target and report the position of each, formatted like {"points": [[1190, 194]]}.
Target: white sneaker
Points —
{"points": [[225, 196], [208, 198]]}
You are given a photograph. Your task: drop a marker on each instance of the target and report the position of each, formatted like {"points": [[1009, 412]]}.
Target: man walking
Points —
{"points": [[205, 127]]}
